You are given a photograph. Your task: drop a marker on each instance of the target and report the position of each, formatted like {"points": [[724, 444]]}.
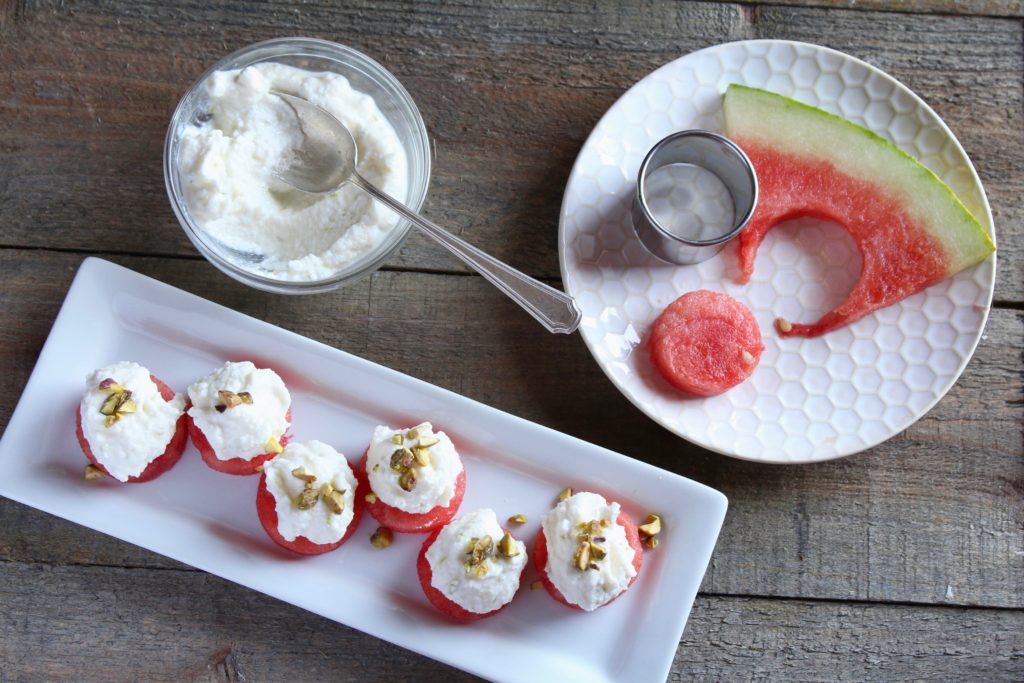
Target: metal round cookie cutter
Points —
{"points": [[674, 233]]}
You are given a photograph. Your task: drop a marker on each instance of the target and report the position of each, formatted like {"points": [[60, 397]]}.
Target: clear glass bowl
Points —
{"points": [[365, 75]]}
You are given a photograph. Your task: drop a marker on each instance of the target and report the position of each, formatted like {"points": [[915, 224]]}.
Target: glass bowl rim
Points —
{"points": [[319, 49]]}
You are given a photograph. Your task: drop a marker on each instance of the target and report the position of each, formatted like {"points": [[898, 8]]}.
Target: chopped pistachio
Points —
{"points": [[407, 480], [304, 474], [228, 399], [422, 456], [784, 325], [333, 498], [597, 552], [370, 497], [428, 441], [109, 386], [382, 537], [651, 526], [246, 397], [517, 519], [259, 468], [273, 446], [402, 459], [566, 492], [118, 404], [109, 406], [480, 550], [651, 542], [376, 467], [582, 557], [92, 472], [397, 439], [306, 499], [507, 546], [412, 434]]}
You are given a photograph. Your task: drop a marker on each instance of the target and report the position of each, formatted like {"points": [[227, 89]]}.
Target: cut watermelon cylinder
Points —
{"points": [[442, 602], [540, 560], [415, 523], [910, 229], [237, 466], [705, 343], [160, 464], [266, 510]]}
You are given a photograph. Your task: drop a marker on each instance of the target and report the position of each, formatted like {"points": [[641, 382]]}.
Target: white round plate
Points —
{"points": [[809, 399]]}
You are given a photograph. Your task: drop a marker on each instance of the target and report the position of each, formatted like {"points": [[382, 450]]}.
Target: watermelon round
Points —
{"points": [[411, 522], [160, 464], [540, 560], [705, 342], [910, 229], [442, 602], [237, 466], [266, 510]]}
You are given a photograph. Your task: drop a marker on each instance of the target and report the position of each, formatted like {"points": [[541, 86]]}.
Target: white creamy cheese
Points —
{"points": [[319, 523], [126, 447], [435, 483], [227, 164], [241, 431], [448, 555], [594, 587]]}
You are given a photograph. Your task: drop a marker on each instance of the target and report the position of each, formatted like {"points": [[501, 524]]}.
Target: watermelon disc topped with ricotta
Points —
{"points": [[909, 227]]}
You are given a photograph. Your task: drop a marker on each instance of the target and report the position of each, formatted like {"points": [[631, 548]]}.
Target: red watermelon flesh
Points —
{"points": [[705, 342], [909, 227]]}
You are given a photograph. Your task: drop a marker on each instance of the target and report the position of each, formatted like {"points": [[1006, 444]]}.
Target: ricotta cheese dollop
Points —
{"points": [[593, 587], [241, 431], [127, 446], [320, 524], [435, 481], [227, 169], [484, 590]]}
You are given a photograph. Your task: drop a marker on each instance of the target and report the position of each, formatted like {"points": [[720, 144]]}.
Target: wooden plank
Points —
{"points": [[931, 516], [991, 8], [509, 94], [119, 624]]}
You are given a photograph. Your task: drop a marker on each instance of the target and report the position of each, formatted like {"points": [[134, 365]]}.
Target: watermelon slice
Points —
{"points": [[910, 228], [705, 342]]}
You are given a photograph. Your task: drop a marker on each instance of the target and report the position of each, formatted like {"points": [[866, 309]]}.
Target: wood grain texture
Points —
{"points": [[992, 8], [931, 516], [178, 626], [509, 97]]}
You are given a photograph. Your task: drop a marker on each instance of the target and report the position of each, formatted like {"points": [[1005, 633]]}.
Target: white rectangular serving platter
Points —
{"points": [[208, 520]]}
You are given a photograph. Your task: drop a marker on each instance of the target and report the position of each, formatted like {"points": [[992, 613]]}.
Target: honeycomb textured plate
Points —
{"points": [[809, 399]]}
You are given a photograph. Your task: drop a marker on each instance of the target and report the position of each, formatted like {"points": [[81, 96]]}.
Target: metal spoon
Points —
{"points": [[327, 159]]}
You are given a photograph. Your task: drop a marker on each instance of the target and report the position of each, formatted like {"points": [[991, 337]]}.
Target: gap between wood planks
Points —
{"points": [[710, 594]]}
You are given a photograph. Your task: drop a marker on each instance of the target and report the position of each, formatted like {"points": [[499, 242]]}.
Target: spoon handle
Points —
{"points": [[554, 309]]}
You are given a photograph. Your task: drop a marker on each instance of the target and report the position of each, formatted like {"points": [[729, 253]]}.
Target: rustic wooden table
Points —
{"points": [[904, 562]]}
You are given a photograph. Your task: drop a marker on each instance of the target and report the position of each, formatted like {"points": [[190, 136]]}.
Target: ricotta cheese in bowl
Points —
{"points": [[229, 133]]}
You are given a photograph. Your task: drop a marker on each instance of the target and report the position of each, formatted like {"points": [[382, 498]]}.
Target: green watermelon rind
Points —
{"points": [[761, 117]]}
